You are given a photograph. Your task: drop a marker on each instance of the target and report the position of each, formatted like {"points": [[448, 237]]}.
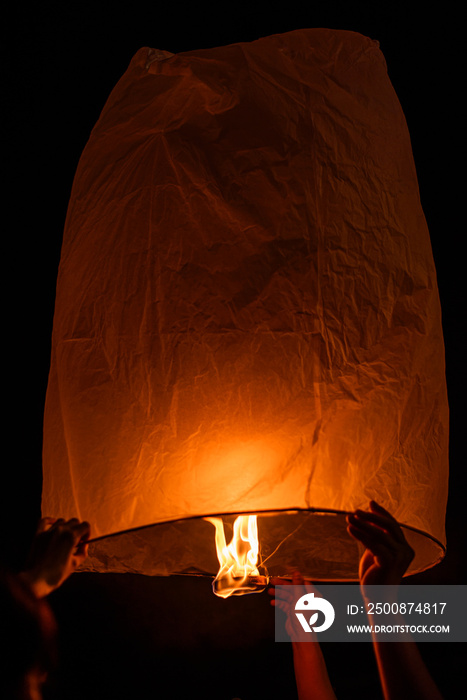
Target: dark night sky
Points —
{"points": [[61, 61]]}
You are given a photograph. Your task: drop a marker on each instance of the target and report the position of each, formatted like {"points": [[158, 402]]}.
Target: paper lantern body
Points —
{"points": [[247, 316]]}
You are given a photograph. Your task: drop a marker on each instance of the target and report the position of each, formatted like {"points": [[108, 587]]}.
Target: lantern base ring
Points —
{"points": [[313, 541]]}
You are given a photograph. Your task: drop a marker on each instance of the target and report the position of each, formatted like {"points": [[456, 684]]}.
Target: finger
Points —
{"points": [[397, 529], [81, 530], [58, 522], [82, 545], [377, 508], [388, 524], [45, 524], [276, 581], [369, 531], [376, 544], [82, 535], [77, 560], [56, 528], [376, 518], [281, 605], [82, 550], [383, 520], [284, 599], [72, 523], [282, 594]]}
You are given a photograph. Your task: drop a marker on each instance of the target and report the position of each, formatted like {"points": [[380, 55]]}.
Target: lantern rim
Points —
{"points": [[304, 530], [266, 512]]}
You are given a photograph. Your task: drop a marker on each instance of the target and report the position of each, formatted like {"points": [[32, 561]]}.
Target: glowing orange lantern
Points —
{"points": [[247, 318]]}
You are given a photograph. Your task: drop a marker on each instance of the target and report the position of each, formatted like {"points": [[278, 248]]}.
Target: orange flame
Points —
{"points": [[238, 560]]}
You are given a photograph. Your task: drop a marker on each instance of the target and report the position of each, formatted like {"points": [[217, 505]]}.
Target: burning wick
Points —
{"points": [[238, 573]]}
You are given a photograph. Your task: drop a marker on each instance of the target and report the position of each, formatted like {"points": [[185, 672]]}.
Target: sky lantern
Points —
{"points": [[247, 337]]}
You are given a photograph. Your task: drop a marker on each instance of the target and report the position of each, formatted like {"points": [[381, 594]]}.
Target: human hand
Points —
{"points": [[387, 554], [285, 601], [311, 674], [58, 548]]}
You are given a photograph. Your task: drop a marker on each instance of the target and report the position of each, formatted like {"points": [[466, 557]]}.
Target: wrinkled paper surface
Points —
{"points": [[247, 315]]}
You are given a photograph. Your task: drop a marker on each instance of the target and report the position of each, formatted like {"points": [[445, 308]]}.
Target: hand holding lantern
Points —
{"points": [[58, 548], [310, 668], [387, 555]]}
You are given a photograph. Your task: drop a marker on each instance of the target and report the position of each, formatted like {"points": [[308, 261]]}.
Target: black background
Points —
{"points": [[130, 636]]}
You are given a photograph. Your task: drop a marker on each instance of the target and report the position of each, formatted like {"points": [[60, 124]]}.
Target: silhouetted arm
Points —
{"points": [[311, 674], [59, 547], [401, 669]]}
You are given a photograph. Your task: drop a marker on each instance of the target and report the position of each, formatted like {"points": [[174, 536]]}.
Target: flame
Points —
{"points": [[238, 560]]}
